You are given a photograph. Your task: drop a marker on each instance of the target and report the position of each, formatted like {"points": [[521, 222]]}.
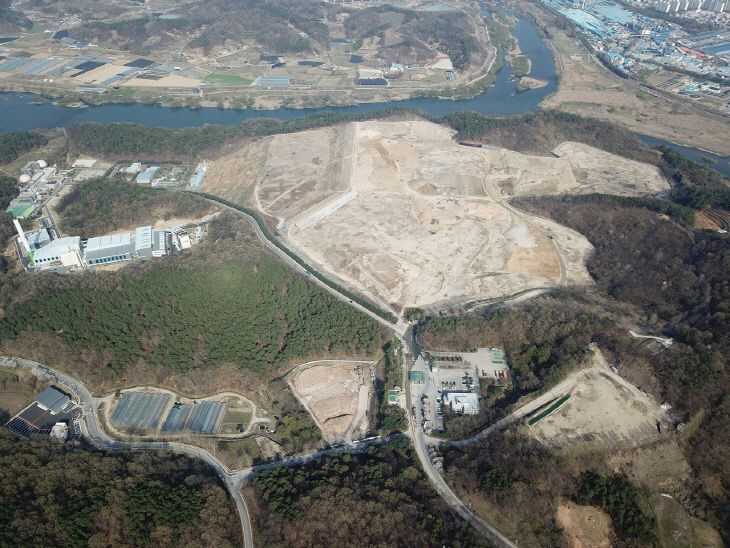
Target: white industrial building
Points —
{"points": [[61, 252], [463, 402], [144, 243], [110, 249], [149, 243]]}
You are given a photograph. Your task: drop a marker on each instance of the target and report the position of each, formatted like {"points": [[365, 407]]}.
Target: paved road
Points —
{"points": [[415, 432]]}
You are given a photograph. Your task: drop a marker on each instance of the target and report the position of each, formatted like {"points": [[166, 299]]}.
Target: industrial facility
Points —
{"points": [[73, 252], [36, 180], [52, 412]]}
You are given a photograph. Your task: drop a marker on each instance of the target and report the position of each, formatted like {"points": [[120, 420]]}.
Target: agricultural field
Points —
{"points": [[377, 203]]}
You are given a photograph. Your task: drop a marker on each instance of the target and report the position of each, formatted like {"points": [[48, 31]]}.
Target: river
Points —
{"points": [[24, 111]]}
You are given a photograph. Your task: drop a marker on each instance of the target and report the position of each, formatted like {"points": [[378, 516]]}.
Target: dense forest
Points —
{"points": [[379, 497], [54, 495], [225, 303], [14, 145], [695, 185], [104, 205], [8, 191]]}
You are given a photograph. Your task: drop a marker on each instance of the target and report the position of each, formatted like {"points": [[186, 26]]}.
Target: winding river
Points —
{"points": [[23, 111]]}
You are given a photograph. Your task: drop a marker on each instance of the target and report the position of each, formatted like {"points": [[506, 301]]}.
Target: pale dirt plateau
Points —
{"points": [[429, 222], [330, 393]]}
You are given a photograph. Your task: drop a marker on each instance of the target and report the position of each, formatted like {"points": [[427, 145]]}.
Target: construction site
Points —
{"points": [[336, 394], [596, 406], [379, 204]]}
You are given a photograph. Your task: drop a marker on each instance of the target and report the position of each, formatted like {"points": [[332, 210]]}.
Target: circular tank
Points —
{"points": [[42, 163], [24, 178]]}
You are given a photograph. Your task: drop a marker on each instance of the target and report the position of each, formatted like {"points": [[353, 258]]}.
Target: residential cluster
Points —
{"points": [[709, 12], [640, 46]]}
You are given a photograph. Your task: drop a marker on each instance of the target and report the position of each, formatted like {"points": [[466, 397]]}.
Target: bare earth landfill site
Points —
{"points": [[402, 212]]}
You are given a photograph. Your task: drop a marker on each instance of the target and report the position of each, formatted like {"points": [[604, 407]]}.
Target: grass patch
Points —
{"points": [[227, 79], [521, 65]]}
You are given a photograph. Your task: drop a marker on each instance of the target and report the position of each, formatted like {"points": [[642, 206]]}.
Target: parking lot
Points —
{"points": [[446, 374]]}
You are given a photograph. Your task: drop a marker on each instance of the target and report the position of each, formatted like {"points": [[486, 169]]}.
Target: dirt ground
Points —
{"points": [[330, 392], [599, 171], [588, 89], [603, 409], [703, 221], [584, 526], [269, 448], [419, 197]]}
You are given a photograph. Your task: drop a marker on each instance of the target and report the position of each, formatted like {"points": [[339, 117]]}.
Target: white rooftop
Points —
{"points": [[143, 237], [112, 240], [58, 247]]}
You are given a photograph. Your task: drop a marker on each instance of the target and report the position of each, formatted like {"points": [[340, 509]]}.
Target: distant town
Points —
{"points": [[657, 52]]}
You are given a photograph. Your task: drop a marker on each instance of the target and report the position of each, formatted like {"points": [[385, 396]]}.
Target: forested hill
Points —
{"points": [[14, 145], [379, 497], [133, 141], [105, 205], [55, 496], [227, 302]]}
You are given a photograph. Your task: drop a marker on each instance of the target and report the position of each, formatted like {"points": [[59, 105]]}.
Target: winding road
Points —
{"points": [[234, 480]]}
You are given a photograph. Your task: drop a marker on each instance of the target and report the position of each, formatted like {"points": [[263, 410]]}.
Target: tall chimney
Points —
{"points": [[21, 235]]}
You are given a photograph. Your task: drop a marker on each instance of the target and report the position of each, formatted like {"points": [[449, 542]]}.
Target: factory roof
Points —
{"points": [[463, 401], [39, 238], [112, 240], [143, 238], [58, 247], [52, 399]]}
